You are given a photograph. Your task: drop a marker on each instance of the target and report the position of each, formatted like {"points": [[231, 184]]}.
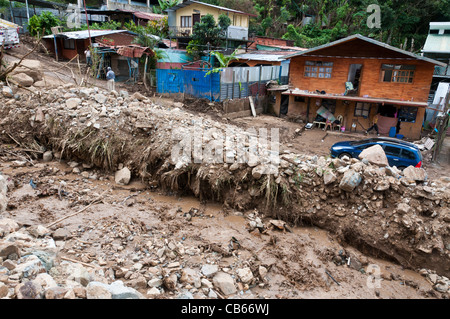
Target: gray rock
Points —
{"points": [[23, 79], [209, 270], [123, 176], [61, 234], [97, 290], [350, 180], [328, 177], [403, 208], [375, 155], [48, 156], [225, 283], [29, 290], [100, 98], [7, 92], [415, 173], [73, 103], [245, 274], [7, 225]]}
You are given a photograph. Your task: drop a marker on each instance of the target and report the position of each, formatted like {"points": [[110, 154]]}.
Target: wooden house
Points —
{"points": [[357, 77]]}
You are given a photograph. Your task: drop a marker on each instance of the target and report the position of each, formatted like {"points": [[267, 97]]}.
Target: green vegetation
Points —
{"points": [[403, 23], [207, 35], [43, 23]]}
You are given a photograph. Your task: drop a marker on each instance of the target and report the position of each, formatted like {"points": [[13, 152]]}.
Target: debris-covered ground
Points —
{"points": [[95, 206]]}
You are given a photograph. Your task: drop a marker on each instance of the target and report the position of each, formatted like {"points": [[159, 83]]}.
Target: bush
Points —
{"points": [[43, 24]]}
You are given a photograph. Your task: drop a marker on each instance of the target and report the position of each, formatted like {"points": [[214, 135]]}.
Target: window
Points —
{"points": [[407, 114], [318, 69], [186, 22], [69, 44], [299, 99], [392, 150], [408, 154], [362, 109], [400, 73]]}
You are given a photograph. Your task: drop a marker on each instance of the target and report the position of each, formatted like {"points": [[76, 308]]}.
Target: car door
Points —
{"points": [[408, 158], [393, 155]]}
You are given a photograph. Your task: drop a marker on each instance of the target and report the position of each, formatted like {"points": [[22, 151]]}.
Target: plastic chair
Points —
{"points": [[340, 118], [328, 124]]}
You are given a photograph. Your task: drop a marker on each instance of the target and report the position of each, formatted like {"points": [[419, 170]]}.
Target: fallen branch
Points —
{"points": [[78, 212], [80, 262]]}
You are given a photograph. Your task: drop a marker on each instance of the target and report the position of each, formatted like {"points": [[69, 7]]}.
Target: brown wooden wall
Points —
{"points": [[371, 84]]}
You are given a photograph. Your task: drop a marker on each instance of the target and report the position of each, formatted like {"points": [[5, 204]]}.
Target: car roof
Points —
{"points": [[388, 140]]}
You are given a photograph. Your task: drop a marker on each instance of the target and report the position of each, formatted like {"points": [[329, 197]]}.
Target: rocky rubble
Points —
{"points": [[400, 214]]}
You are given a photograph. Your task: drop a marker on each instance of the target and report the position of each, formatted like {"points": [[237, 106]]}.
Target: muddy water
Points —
{"points": [[296, 256]]}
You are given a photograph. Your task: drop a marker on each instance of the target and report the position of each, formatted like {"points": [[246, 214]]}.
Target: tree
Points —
{"points": [[206, 35], [43, 23]]}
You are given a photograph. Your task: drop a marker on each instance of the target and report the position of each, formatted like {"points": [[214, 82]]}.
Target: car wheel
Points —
{"points": [[345, 154], [401, 168]]}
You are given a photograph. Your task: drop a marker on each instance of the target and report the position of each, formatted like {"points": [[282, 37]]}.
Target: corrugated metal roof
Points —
{"points": [[262, 55], [84, 34], [437, 43], [359, 36], [189, 2]]}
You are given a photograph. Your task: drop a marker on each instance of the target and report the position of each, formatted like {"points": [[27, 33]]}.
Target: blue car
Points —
{"points": [[399, 153]]}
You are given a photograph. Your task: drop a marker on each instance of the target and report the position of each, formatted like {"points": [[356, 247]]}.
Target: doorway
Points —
{"points": [[354, 76], [284, 104], [195, 18]]}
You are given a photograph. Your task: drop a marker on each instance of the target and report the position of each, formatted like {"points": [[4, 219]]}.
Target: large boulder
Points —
{"points": [[374, 155], [22, 79], [32, 68], [350, 180], [415, 173]]}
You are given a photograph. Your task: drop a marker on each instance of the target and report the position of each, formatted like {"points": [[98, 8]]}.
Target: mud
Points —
{"points": [[300, 263]]}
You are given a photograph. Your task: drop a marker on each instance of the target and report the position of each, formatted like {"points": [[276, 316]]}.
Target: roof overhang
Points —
{"points": [[355, 98], [189, 2], [369, 40]]}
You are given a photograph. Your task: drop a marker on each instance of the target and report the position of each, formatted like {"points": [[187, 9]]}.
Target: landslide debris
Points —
{"points": [[398, 215]]}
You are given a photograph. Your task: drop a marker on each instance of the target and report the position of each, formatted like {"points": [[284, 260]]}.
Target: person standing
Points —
{"points": [[88, 57], [374, 125], [110, 78]]}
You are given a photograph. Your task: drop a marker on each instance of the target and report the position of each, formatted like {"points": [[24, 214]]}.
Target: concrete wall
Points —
{"points": [[241, 107], [238, 20]]}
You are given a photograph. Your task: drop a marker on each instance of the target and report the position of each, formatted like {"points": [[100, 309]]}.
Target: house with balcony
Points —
{"points": [[182, 17], [437, 46], [355, 78]]}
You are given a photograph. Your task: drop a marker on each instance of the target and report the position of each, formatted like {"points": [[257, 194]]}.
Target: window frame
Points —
{"points": [[398, 71], [314, 67], [362, 109], [68, 44], [183, 21]]}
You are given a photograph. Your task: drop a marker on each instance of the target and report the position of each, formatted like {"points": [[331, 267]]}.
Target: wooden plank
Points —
{"points": [[252, 105]]}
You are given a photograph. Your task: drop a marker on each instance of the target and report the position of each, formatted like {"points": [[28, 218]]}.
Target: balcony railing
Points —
{"points": [[442, 70], [233, 32]]}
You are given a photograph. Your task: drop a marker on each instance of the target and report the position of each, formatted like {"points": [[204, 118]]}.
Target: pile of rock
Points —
{"points": [[33, 265]]}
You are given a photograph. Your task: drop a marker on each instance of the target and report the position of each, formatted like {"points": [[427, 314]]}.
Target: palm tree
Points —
{"points": [[224, 61]]}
